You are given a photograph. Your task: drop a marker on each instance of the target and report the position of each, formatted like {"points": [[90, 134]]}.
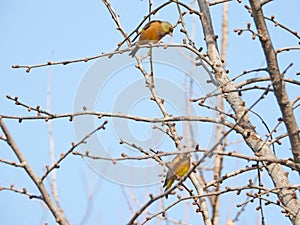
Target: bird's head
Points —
{"points": [[167, 28]]}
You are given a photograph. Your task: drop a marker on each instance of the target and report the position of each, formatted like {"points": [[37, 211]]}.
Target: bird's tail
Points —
{"points": [[134, 51], [168, 183]]}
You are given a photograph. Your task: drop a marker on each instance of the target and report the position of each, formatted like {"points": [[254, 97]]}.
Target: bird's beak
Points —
{"points": [[171, 34]]}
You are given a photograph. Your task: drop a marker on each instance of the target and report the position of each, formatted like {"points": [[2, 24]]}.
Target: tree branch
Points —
{"points": [[253, 140], [277, 81]]}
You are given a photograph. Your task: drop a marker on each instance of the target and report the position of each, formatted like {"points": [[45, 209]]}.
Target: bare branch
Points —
{"points": [[276, 23], [74, 145], [15, 164], [218, 2], [220, 129], [22, 191], [253, 140], [263, 2], [277, 82]]}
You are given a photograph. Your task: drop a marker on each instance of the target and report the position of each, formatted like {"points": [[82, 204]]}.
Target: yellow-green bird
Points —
{"points": [[178, 168], [152, 32]]}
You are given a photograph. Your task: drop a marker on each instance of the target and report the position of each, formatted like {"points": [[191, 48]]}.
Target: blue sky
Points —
{"points": [[36, 32]]}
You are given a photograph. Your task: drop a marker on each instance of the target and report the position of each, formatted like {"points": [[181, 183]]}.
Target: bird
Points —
{"points": [[152, 32], [178, 168]]}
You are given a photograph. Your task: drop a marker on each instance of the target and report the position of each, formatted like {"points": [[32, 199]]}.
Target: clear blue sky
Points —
{"points": [[35, 32]]}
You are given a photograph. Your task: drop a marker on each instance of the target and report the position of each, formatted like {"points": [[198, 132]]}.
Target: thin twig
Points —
{"points": [[74, 145]]}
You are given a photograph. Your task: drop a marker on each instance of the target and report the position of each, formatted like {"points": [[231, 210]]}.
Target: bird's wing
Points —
{"points": [[172, 172], [145, 28], [149, 23]]}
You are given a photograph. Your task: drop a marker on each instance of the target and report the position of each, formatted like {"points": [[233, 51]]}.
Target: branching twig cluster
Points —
{"points": [[234, 114]]}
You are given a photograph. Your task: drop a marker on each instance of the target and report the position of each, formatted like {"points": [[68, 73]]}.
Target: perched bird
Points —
{"points": [[152, 32], [178, 168]]}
